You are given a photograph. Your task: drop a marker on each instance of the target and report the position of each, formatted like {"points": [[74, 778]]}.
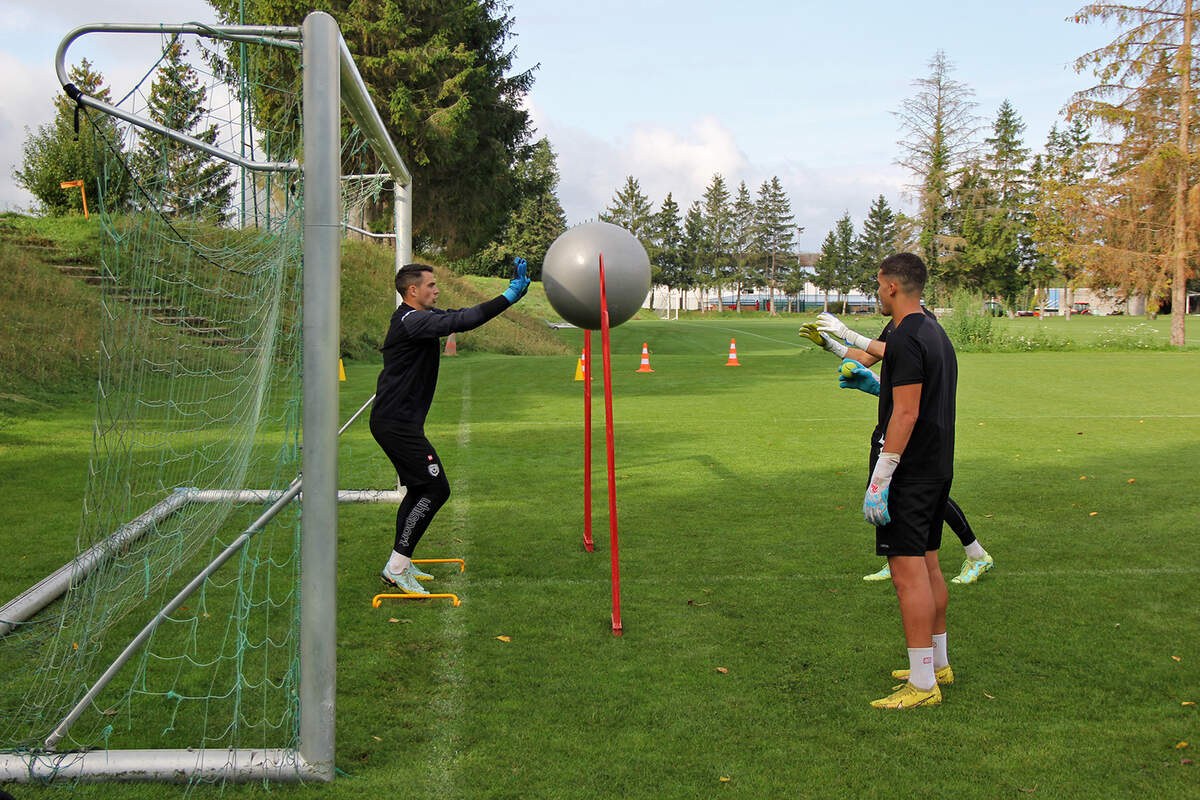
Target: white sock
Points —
{"points": [[940, 660], [920, 668], [975, 551], [398, 563]]}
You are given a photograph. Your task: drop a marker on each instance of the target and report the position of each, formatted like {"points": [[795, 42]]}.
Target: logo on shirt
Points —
{"points": [[435, 469]]}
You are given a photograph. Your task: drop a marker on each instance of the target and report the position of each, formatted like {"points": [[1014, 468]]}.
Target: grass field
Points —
{"points": [[751, 645]]}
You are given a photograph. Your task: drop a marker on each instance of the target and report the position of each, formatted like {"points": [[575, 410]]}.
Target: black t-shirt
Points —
{"points": [[918, 351], [412, 352]]}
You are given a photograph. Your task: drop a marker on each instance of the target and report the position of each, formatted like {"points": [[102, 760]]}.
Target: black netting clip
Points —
{"points": [[74, 94]]}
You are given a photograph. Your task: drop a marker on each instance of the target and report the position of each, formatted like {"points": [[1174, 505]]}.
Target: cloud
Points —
{"points": [[683, 162]]}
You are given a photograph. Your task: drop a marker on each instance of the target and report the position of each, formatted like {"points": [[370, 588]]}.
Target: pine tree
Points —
{"points": [[876, 242], [693, 248], [183, 181], [718, 233], [774, 224], [54, 154], [845, 258], [631, 209], [992, 210], [539, 219], [439, 71], [825, 269], [742, 241], [1061, 176], [1149, 212], [937, 126], [668, 256]]}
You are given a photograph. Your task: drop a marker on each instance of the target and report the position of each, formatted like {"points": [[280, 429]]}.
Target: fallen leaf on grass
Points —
{"points": [[694, 603], [1083, 477], [722, 670], [1187, 703], [1132, 480], [1185, 761], [1093, 513], [1181, 745], [112, 712], [458, 540], [404, 621], [1028, 791], [988, 516], [988, 696], [833, 591], [1177, 658], [505, 639], [840, 508], [724, 779], [376, 738]]}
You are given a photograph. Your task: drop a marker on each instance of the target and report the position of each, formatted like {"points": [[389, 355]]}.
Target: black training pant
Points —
{"points": [[954, 515], [421, 472]]}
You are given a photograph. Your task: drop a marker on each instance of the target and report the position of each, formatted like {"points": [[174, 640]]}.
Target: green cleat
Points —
{"points": [[909, 696], [419, 573], [944, 675], [973, 569], [404, 581], [884, 574]]}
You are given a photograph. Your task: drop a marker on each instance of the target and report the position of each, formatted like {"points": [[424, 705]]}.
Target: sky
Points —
{"points": [[673, 91]]}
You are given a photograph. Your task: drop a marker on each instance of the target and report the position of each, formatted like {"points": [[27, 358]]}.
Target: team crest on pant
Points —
{"points": [[435, 469]]}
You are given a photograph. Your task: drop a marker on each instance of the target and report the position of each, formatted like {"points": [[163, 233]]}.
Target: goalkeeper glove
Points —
{"points": [[823, 340], [875, 503], [853, 375], [828, 323], [519, 285]]}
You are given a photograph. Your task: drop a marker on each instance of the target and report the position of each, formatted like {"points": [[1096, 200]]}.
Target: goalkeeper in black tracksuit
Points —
{"points": [[411, 354]]}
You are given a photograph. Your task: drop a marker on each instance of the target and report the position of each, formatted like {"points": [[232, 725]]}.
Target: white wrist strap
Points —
{"points": [[881, 478], [858, 340], [833, 345]]}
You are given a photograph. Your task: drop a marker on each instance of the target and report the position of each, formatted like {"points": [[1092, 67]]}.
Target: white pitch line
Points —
{"points": [[709, 580], [801, 345], [447, 720]]}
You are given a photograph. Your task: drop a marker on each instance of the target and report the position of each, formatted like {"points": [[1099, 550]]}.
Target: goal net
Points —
{"points": [[174, 644]]}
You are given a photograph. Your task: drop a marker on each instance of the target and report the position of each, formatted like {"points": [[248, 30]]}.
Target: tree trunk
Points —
{"points": [[1179, 254]]}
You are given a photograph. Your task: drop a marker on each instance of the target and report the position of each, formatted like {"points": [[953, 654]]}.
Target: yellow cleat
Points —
{"points": [[944, 675], [973, 569], [909, 696]]}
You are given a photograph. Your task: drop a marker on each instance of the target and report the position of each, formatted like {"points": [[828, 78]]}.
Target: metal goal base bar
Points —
{"points": [[178, 766]]}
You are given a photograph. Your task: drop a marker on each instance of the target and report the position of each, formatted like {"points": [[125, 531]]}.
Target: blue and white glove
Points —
{"points": [[823, 340], [519, 285], [853, 375], [875, 504], [828, 323]]}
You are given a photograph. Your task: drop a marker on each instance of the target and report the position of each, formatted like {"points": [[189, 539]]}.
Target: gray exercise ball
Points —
{"points": [[571, 274]]}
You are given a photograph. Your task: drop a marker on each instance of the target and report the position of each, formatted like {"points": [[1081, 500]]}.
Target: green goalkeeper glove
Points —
{"points": [[823, 340]]}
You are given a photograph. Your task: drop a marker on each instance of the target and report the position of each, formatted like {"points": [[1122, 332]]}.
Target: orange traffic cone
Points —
{"points": [[645, 367], [451, 346], [732, 362], [580, 369]]}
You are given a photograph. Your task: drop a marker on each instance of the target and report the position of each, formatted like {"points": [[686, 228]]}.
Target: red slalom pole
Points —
{"points": [[587, 441], [612, 470]]}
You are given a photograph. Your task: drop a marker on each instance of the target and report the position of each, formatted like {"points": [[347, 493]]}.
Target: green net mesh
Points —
{"points": [[199, 395]]}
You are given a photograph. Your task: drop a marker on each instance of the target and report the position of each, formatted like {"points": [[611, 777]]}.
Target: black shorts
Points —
{"points": [[917, 510], [412, 455]]}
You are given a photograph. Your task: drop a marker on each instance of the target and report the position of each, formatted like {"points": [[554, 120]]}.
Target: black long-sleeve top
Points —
{"points": [[412, 352]]}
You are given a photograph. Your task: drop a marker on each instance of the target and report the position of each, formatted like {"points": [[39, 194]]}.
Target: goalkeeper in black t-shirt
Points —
{"points": [[829, 333], [911, 473], [411, 355]]}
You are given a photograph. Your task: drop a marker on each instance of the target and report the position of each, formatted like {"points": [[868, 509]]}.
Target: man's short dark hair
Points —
{"points": [[410, 275], [908, 269]]}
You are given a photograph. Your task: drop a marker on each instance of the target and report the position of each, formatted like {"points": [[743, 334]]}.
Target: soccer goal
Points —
{"points": [[192, 637]]}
